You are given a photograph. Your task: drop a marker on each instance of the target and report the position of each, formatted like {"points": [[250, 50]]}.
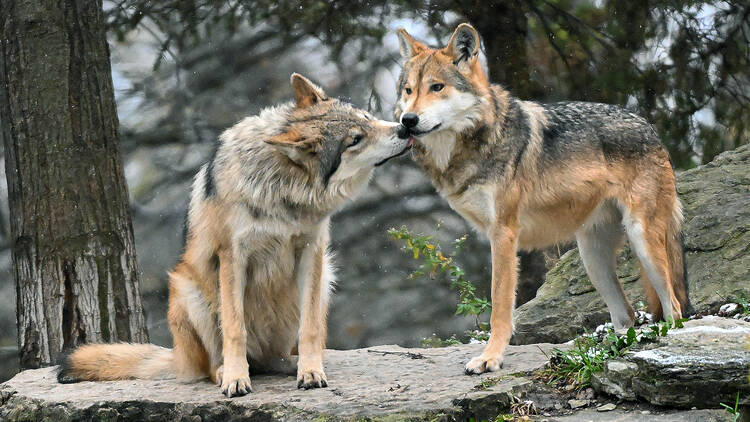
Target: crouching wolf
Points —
{"points": [[530, 175], [254, 280]]}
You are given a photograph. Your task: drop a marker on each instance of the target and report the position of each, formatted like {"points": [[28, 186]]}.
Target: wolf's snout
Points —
{"points": [[409, 120], [403, 132]]}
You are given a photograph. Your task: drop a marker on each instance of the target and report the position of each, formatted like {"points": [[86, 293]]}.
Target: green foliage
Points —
{"points": [[744, 304], [435, 341], [590, 352], [733, 410], [433, 262], [487, 383], [683, 64]]}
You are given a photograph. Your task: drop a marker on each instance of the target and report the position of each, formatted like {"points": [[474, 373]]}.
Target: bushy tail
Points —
{"points": [[677, 268], [106, 362], [676, 256]]}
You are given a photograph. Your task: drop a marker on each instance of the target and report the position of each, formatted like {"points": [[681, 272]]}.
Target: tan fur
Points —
{"points": [[520, 206], [253, 284], [118, 361]]}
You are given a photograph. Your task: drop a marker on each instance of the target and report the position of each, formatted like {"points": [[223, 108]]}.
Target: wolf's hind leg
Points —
{"points": [[598, 244], [190, 358], [202, 321]]}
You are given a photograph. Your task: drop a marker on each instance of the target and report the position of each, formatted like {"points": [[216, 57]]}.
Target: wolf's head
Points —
{"points": [[332, 140], [441, 89]]}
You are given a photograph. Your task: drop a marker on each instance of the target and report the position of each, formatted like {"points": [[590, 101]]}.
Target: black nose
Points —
{"points": [[409, 120], [403, 132]]}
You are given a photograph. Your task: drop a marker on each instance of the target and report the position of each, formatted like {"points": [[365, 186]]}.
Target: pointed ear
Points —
{"points": [[464, 44], [305, 92], [291, 143], [409, 46]]}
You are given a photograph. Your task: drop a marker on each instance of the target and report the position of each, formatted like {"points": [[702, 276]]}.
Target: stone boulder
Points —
{"points": [[379, 383], [716, 201], [384, 383], [701, 365]]}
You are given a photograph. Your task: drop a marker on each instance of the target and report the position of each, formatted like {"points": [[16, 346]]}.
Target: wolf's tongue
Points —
{"points": [[411, 142]]}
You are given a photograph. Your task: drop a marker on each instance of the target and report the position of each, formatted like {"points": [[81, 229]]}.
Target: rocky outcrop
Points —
{"points": [[380, 383], [701, 365], [716, 200], [385, 383]]}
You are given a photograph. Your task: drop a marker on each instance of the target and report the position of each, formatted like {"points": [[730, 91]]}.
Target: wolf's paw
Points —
{"points": [[311, 379], [235, 386], [481, 364]]}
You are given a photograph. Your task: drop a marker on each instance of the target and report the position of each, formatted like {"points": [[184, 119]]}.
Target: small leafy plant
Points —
{"points": [[434, 261], [734, 411], [744, 304], [591, 351]]}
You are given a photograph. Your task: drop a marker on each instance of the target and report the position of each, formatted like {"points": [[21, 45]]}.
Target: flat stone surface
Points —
{"points": [[702, 365], [384, 382]]}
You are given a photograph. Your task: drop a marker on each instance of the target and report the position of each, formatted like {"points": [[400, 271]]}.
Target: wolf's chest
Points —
{"points": [[476, 205], [438, 149]]}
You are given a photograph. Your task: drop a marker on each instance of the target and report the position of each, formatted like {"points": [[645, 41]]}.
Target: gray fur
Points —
{"points": [[573, 127]]}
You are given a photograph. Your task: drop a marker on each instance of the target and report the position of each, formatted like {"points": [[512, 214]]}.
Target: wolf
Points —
{"points": [[530, 175], [254, 280]]}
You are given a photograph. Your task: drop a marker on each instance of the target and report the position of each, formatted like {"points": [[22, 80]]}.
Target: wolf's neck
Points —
{"points": [[438, 148]]}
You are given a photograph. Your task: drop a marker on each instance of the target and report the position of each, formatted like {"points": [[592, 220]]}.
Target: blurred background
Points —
{"points": [[186, 70]]}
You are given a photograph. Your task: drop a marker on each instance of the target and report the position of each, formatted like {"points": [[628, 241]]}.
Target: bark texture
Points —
{"points": [[72, 237]]}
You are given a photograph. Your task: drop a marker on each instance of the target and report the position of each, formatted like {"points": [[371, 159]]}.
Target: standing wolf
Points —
{"points": [[530, 175], [255, 276]]}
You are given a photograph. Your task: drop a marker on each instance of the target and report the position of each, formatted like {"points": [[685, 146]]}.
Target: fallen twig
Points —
{"points": [[407, 354]]}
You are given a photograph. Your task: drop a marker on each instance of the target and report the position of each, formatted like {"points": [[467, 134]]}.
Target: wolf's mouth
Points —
{"points": [[403, 151], [425, 132]]}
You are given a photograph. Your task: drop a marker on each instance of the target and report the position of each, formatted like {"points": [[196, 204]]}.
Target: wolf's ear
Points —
{"points": [[291, 143], [464, 44], [305, 92], [408, 46]]}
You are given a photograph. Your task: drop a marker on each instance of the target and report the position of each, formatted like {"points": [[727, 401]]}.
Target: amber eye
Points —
{"points": [[408, 91], [436, 87]]}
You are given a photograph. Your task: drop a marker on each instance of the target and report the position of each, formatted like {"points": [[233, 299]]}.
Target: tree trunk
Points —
{"points": [[71, 231], [504, 28]]}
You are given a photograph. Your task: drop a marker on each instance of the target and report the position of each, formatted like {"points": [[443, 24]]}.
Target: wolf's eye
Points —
{"points": [[357, 139], [436, 87], [408, 91]]}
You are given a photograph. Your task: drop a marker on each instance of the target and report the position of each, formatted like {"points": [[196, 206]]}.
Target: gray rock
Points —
{"points": [[380, 383], [701, 365], [617, 415], [716, 200], [606, 407], [576, 403]]}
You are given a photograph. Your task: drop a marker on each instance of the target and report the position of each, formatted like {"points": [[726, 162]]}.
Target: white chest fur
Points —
{"points": [[439, 147]]}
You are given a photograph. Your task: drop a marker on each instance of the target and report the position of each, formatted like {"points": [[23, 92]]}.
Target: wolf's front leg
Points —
{"points": [[314, 278], [235, 375], [503, 240]]}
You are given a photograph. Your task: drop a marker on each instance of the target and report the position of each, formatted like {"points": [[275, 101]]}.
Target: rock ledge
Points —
{"points": [[380, 383]]}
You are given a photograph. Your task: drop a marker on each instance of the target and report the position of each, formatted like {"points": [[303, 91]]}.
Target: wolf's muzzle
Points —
{"points": [[403, 151], [403, 132]]}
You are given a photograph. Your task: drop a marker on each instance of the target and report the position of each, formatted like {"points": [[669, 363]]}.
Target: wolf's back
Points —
{"points": [[107, 362]]}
